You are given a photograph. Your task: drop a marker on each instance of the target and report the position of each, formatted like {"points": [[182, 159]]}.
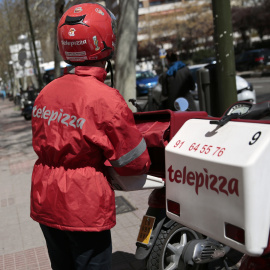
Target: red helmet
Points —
{"points": [[86, 33]]}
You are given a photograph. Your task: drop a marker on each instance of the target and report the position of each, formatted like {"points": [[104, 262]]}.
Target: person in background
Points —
{"points": [[3, 94], [176, 82], [78, 124]]}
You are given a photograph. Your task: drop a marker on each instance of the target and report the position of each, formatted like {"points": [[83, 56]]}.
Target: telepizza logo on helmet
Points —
{"points": [[218, 184], [74, 43]]}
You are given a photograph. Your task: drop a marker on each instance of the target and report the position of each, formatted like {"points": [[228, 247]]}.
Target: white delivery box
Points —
{"points": [[220, 179]]}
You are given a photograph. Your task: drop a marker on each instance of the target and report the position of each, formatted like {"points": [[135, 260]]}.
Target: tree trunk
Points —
{"points": [[59, 11], [127, 50]]}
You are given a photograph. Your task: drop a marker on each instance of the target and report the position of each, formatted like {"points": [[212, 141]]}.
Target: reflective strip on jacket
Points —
{"points": [[78, 123]]}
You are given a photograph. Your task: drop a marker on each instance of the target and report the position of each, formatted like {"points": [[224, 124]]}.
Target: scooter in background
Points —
{"points": [[27, 109], [27, 104]]}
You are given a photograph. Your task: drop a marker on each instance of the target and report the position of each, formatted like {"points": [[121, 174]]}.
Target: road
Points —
{"points": [[262, 87]]}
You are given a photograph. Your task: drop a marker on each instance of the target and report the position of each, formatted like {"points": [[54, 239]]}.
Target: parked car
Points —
{"points": [[245, 90], [145, 80], [251, 59], [209, 60]]}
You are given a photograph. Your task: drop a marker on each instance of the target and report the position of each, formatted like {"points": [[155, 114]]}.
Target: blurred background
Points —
{"points": [[29, 58]]}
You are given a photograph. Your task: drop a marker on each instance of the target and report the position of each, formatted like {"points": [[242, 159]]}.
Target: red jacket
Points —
{"points": [[78, 123]]}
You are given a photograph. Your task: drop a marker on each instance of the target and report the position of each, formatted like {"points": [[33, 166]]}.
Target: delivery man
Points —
{"points": [[78, 123]]}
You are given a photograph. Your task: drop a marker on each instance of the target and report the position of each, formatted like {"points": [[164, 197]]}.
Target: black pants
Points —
{"points": [[78, 250]]}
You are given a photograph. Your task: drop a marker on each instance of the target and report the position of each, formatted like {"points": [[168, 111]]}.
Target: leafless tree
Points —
{"points": [[180, 28], [59, 11], [186, 28]]}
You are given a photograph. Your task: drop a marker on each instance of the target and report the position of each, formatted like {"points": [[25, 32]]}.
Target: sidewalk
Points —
{"points": [[22, 246]]}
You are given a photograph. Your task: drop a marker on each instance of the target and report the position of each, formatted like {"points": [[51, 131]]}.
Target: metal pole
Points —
{"points": [[204, 90], [150, 99], [225, 93]]}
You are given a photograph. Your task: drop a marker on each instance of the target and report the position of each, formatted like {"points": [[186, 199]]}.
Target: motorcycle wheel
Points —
{"points": [[167, 251]]}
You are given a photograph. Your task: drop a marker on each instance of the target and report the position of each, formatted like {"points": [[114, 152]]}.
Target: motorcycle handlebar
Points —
{"points": [[257, 111]]}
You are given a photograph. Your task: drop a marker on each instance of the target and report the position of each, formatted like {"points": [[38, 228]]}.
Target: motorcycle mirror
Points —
{"points": [[181, 104]]}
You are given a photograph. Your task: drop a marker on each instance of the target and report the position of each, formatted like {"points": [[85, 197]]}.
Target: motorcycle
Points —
{"points": [[165, 241], [27, 103], [211, 168], [27, 109], [158, 234]]}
